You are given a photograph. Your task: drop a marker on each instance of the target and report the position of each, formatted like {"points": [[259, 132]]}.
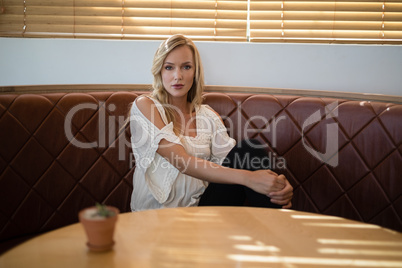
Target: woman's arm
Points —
{"points": [[262, 181]]}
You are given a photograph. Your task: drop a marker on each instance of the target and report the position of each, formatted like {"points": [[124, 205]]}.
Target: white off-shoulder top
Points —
{"points": [[156, 182]]}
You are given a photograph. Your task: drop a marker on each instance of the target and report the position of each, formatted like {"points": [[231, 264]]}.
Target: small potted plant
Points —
{"points": [[99, 224]]}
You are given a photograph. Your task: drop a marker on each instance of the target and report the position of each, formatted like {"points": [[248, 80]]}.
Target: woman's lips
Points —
{"points": [[177, 86]]}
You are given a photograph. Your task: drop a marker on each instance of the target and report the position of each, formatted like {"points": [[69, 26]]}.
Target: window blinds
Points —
{"points": [[326, 21], [125, 19], [227, 20]]}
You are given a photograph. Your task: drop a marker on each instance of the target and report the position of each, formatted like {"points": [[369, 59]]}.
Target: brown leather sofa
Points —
{"points": [[61, 152]]}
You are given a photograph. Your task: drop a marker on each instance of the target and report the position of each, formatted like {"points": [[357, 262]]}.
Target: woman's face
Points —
{"points": [[178, 72]]}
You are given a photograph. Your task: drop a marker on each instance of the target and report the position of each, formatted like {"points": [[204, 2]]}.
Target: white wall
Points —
{"points": [[350, 68]]}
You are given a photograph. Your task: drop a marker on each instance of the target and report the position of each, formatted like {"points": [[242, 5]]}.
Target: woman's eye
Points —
{"points": [[168, 67], [187, 67]]}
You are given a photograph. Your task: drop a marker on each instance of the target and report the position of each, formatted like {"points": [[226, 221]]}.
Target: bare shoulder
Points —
{"points": [[148, 108], [143, 102]]}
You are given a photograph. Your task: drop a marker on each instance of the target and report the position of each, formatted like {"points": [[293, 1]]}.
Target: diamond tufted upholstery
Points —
{"points": [[342, 157]]}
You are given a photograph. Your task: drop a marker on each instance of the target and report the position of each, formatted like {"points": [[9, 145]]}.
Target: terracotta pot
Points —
{"points": [[99, 230]]}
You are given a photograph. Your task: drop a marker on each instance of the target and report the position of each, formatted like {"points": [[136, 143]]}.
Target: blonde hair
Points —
{"points": [[194, 96]]}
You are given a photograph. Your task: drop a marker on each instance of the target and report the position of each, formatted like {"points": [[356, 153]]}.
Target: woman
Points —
{"points": [[179, 144]]}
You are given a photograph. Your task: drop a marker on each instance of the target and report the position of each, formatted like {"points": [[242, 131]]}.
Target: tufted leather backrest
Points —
{"points": [[62, 152], [59, 154], [342, 157]]}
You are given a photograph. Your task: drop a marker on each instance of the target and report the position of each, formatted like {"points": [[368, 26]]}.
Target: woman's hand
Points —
{"points": [[275, 186], [284, 196], [266, 181]]}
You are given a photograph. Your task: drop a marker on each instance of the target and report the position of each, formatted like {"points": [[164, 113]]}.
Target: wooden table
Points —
{"points": [[218, 237]]}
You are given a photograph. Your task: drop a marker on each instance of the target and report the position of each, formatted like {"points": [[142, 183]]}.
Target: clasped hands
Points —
{"points": [[275, 186]]}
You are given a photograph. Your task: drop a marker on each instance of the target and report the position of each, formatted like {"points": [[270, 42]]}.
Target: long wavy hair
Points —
{"points": [[194, 96]]}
